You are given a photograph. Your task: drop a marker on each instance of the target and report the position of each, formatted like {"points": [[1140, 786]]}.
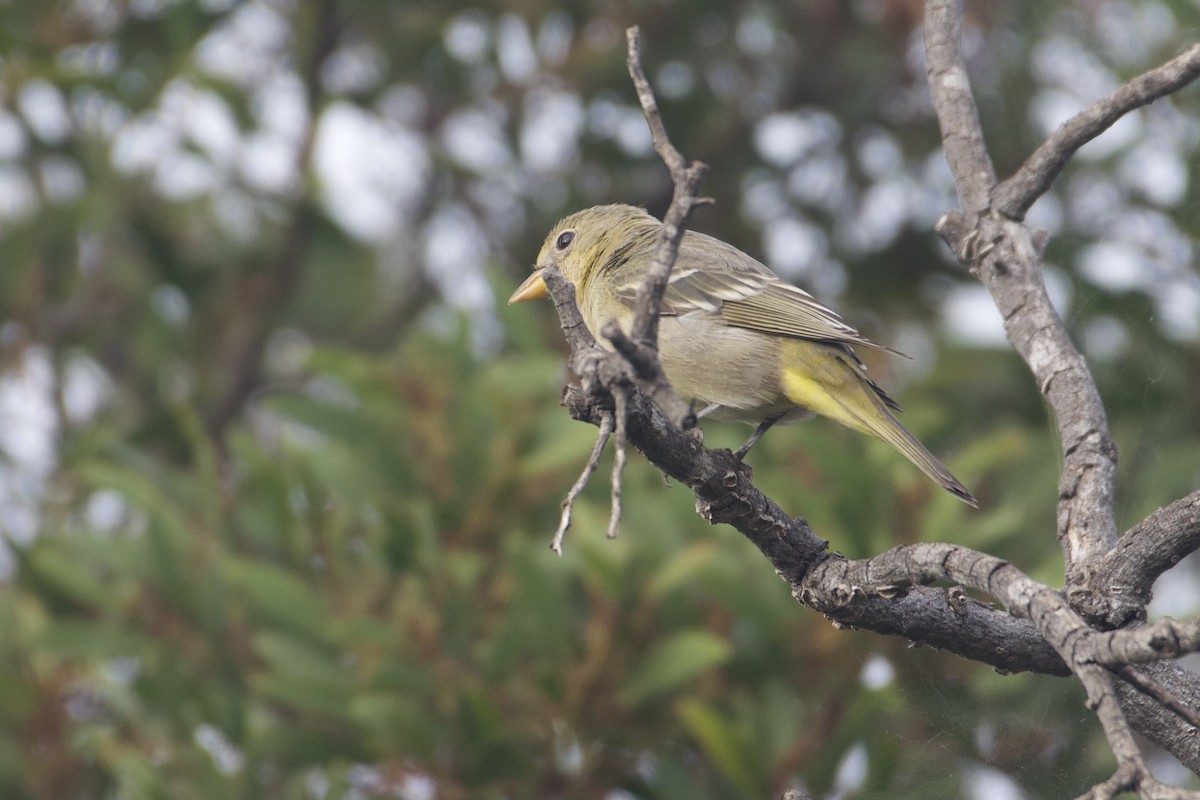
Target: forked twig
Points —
{"points": [[635, 361]]}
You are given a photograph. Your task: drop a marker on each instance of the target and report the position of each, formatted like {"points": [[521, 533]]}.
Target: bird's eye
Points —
{"points": [[564, 240]]}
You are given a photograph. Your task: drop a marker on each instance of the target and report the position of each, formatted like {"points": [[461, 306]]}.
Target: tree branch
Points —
{"points": [[686, 178], [962, 135], [1007, 259], [1006, 256], [1014, 196], [1147, 550], [1039, 628]]}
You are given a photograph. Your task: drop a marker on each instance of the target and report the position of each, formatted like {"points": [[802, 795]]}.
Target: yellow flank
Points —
{"points": [[817, 377], [804, 390]]}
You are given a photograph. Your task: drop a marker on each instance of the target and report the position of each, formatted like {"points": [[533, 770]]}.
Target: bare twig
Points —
{"points": [[1015, 195], [568, 504], [1166, 638], [613, 376], [641, 348], [686, 177], [621, 411]]}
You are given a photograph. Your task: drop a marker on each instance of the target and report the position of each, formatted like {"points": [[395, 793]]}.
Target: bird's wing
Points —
{"points": [[711, 276]]}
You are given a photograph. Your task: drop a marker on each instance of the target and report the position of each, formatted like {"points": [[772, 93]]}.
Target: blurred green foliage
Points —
{"points": [[295, 543]]}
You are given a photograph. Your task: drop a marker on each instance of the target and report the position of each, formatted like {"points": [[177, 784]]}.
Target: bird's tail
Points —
{"points": [[824, 379]]}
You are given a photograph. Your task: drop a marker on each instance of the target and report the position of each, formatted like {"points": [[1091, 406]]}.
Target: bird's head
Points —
{"points": [[583, 243]]}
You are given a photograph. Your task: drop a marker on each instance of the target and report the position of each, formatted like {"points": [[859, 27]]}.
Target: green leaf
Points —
{"points": [[277, 596], [682, 568], [67, 578], [303, 676], [721, 743], [674, 663], [89, 640]]}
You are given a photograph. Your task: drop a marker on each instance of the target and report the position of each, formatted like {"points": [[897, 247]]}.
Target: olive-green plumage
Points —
{"points": [[732, 337]]}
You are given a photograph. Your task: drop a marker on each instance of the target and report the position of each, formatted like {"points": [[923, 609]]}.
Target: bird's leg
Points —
{"points": [[762, 428], [708, 409]]}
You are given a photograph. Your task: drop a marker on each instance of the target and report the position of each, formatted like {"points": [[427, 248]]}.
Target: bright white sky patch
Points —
{"points": [[970, 317], [203, 118], [476, 140], [45, 111], [1117, 266], [675, 79], [247, 47], [266, 163], [794, 246], [1104, 338], [851, 772], [227, 758], [61, 179], [355, 68], [549, 137], [784, 138], [632, 135], [466, 37], [105, 511], [181, 175], [454, 251], [819, 182], [985, 783], [368, 170], [1178, 306], [1066, 62], [877, 673], [878, 154], [28, 446], [882, 213], [755, 34], [18, 198], [1157, 171], [12, 137], [86, 388], [514, 49], [140, 144]]}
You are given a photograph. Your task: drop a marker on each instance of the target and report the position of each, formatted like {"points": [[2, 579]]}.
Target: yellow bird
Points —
{"points": [[733, 337]]}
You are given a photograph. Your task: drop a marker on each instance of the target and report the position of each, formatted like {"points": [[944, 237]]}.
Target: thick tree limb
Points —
{"points": [[1127, 573]]}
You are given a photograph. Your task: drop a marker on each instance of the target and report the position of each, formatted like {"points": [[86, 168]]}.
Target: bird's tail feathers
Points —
{"points": [[849, 397], [886, 427]]}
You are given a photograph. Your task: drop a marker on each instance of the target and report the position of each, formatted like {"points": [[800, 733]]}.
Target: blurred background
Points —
{"points": [[279, 468]]}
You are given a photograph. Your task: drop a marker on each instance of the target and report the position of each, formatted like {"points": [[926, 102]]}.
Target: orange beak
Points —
{"points": [[534, 288]]}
